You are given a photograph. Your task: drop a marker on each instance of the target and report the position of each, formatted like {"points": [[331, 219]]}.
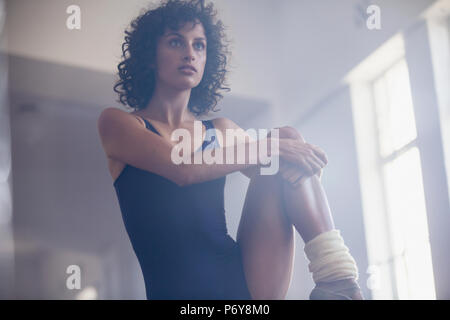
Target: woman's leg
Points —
{"points": [[266, 238], [306, 204], [307, 207], [265, 234]]}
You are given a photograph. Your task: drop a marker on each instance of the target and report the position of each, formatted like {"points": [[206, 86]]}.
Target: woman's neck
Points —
{"points": [[169, 106]]}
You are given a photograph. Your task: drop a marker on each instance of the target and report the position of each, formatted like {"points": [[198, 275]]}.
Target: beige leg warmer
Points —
{"points": [[329, 258]]}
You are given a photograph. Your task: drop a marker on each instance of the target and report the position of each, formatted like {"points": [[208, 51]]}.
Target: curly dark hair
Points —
{"points": [[137, 79]]}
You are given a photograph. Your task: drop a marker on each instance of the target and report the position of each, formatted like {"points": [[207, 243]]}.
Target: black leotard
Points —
{"points": [[179, 234]]}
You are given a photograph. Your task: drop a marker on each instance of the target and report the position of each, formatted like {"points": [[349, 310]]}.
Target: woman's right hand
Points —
{"points": [[308, 158]]}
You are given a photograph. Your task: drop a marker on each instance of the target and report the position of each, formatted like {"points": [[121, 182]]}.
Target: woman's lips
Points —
{"points": [[186, 71]]}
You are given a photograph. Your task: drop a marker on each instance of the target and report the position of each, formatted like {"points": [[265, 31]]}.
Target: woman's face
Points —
{"points": [[176, 49]]}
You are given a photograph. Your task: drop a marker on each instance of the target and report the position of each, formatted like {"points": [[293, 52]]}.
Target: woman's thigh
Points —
{"points": [[266, 238]]}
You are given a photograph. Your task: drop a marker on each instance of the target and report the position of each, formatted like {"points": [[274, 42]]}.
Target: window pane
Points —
{"points": [[400, 100], [394, 109], [409, 226], [382, 113]]}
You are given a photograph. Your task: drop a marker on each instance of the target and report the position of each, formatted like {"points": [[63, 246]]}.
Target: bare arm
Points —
{"points": [[125, 139], [222, 124], [303, 158]]}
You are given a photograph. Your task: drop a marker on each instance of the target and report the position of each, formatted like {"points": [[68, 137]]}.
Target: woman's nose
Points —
{"points": [[189, 54]]}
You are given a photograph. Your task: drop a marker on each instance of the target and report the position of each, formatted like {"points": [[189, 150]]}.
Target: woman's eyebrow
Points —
{"points": [[181, 36]]}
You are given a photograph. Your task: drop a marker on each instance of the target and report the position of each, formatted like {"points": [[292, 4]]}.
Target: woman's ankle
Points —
{"points": [[347, 287]]}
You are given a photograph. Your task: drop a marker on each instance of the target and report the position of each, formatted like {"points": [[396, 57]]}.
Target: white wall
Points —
{"points": [[287, 52], [37, 29], [323, 40]]}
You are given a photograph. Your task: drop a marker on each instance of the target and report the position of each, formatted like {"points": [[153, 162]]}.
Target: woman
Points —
{"points": [[174, 66]]}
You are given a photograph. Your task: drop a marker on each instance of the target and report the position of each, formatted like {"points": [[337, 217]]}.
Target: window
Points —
{"points": [[438, 23], [390, 172], [409, 259]]}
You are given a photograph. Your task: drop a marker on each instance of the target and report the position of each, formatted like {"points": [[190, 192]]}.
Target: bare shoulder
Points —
{"points": [[112, 120], [107, 114], [222, 123], [126, 140], [112, 115]]}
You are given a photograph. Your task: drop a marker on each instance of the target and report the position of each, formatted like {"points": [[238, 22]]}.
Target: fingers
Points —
{"points": [[306, 161], [309, 166], [287, 132], [295, 176], [316, 163], [320, 153], [309, 158], [300, 181], [292, 174]]}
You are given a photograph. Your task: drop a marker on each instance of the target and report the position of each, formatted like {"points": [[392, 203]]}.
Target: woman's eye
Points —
{"points": [[200, 45], [175, 43]]}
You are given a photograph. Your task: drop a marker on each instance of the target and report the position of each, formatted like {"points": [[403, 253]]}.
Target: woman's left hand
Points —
{"points": [[294, 175], [291, 173]]}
